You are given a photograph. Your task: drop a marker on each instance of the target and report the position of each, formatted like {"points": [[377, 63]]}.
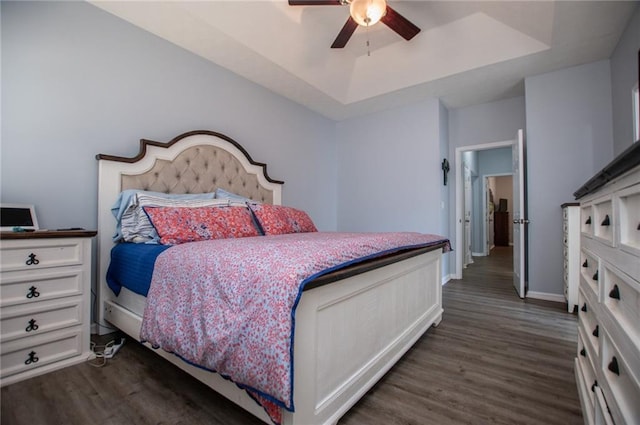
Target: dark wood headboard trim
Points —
{"points": [[144, 143]]}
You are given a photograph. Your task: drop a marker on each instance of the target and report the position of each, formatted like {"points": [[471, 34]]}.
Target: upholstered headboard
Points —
{"points": [[194, 162]]}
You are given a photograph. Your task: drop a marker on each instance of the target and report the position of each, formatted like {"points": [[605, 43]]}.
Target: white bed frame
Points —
{"points": [[348, 333]]}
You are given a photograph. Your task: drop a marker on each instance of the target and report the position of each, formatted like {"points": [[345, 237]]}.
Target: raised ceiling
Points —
{"points": [[467, 52]]}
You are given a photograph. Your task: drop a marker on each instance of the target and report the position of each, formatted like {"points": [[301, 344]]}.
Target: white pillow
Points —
{"points": [[135, 225]]}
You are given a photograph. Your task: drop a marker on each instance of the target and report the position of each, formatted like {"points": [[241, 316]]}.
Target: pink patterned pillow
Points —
{"points": [[279, 220], [177, 225]]}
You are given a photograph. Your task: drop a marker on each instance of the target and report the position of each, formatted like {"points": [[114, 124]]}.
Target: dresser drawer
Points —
{"points": [[620, 387], [589, 270], [586, 220], [629, 213], [601, 414], [40, 285], [20, 321], [36, 351], [622, 300], [586, 383], [34, 254], [603, 220]]}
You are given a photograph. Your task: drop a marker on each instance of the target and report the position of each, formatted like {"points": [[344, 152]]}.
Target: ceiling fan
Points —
{"points": [[365, 13]]}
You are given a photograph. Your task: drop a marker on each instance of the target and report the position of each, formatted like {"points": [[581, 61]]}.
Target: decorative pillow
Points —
{"points": [[135, 225], [278, 219], [177, 225]]}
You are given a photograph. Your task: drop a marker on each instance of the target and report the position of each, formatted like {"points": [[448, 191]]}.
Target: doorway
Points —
{"points": [[480, 162]]}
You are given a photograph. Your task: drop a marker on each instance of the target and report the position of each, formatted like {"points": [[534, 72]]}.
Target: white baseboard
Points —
{"points": [[478, 254], [559, 298], [446, 279]]}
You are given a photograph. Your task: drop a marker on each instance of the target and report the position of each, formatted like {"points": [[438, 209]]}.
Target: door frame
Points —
{"points": [[459, 179]]}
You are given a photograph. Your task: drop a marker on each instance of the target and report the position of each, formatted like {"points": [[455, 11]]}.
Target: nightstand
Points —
{"points": [[45, 301]]}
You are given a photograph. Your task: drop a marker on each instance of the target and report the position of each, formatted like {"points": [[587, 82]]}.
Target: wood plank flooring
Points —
{"points": [[494, 359]]}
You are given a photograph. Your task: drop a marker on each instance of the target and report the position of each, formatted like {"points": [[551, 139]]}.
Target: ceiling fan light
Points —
{"points": [[367, 12]]}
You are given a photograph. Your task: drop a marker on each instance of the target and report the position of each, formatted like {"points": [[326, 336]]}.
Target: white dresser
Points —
{"points": [[571, 253], [608, 360], [45, 302]]}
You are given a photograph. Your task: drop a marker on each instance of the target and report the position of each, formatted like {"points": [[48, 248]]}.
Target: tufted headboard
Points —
{"points": [[194, 162]]}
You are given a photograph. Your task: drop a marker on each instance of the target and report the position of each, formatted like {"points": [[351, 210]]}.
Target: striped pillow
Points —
{"points": [[135, 224]]}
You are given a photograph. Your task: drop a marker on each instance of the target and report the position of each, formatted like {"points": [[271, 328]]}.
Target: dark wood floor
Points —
{"points": [[494, 359]]}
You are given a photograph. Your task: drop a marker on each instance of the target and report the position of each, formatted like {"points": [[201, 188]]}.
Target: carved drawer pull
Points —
{"points": [[638, 228], [32, 358], [615, 293], [588, 220], [33, 293], [593, 387], [613, 366], [32, 261], [596, 331], [32, 326], [583, 352], [595, 276], [606, 221], [584, 307], [586, 263]]}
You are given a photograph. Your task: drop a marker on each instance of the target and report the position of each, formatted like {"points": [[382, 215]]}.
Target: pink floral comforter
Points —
{"points": [[228, 305]]}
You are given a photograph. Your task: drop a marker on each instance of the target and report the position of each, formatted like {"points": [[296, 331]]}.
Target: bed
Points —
{"points": [[352, 324]]}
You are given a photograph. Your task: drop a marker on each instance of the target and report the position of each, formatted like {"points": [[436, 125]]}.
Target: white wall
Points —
{"points": [[77, 81], [624, 76], [569, 139]]}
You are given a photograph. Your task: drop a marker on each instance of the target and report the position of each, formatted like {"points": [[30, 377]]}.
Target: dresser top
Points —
{"points": [[44, 234], [624, 162]]}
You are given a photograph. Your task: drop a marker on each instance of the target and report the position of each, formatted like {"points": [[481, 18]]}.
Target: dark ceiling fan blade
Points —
{"points": [[400, 24], [345, 34], [315, 3]]}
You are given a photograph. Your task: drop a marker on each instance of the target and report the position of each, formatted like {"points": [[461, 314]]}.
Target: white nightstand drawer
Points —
{"points": [[37, 351], [40, 285], [20, 321], [33, 254], [602, 415]]}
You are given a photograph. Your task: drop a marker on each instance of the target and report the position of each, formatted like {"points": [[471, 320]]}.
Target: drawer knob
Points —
{"points": [[583, 353], [33, 293], [606, 221], [595, 276], [32, 326], [588, 220], [596, 331], [584, 307], [586, 263], [32, 261], [613, 366], [32, 358], [615, 293], [593, 387]]}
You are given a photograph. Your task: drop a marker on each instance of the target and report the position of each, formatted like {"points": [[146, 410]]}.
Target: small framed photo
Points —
{"points": [[18, 217]]}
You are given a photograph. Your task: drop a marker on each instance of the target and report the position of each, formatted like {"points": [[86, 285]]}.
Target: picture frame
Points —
{"points": [[18, 217]]}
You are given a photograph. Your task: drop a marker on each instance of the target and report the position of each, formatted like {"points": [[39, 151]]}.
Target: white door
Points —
{"points": [[520, 221], [468, 258]]}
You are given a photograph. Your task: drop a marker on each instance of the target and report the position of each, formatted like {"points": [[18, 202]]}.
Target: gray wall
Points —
{"points": [[389, 170], [569, 138], [624, 76], [77, 81]]}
